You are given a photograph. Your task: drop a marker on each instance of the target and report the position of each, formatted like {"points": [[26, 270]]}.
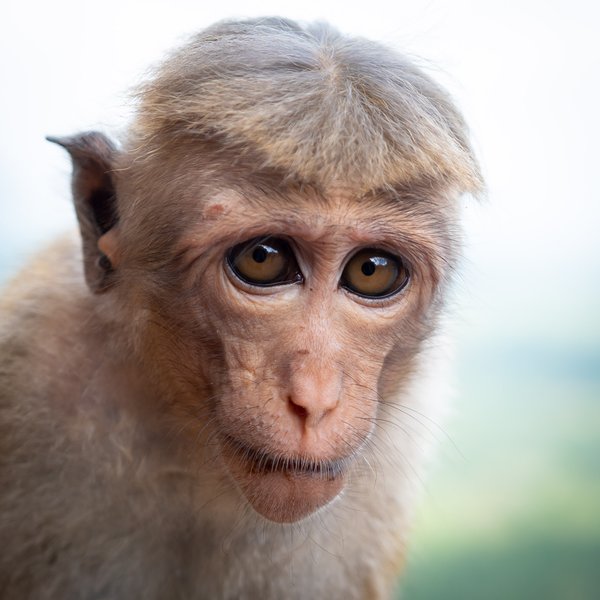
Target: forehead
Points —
{"points": [[307, 212], [216, 199], [314, 216]]}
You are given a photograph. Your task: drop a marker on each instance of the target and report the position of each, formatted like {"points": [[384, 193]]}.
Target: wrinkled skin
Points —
{"points": [[292, 372]]}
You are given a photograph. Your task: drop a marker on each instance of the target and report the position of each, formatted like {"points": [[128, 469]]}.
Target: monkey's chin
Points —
{"points": [[283, 491]]}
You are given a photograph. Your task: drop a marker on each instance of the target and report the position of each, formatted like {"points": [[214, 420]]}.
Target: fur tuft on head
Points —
{"points": [[321, 107]]}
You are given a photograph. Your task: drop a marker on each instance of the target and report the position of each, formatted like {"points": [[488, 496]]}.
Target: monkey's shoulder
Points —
{"points": [[74, 471], [53, 344], [45, 295], [46, 311]]}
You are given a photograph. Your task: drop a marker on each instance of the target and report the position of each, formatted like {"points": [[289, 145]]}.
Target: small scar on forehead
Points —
{"points": [[214, 211], [221, 204]]}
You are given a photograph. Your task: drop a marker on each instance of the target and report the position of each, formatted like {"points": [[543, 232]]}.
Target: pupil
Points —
{"points": [[260, 254], [368, 268]]}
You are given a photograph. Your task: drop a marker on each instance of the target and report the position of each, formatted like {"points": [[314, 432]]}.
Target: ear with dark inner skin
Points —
{"points": [[93, 156]]}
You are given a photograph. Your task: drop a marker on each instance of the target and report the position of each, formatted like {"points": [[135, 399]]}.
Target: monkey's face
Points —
{"points": [[300, 320]]}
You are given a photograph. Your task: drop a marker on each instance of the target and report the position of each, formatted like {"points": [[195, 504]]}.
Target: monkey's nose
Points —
{"points": [[297, 409], [311, 399], [308, 413]]}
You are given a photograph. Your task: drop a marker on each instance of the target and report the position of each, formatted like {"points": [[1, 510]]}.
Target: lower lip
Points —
{"points": [[282, 496]]}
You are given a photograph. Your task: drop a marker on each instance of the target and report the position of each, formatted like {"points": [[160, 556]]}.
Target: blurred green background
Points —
{"points": [[511, 507]]}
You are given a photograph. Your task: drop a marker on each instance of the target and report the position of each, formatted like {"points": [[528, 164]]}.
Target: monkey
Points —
{"points": [[215, 390]]}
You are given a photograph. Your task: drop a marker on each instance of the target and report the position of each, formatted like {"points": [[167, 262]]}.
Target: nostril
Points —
{"points": [[298, 410]]}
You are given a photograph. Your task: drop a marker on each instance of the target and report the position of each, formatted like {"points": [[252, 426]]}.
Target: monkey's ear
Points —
{"points": [[93, 156]]}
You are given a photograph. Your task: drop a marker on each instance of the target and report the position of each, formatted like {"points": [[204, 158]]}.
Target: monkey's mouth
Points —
{"points": [[261, 462], [283, 488]]}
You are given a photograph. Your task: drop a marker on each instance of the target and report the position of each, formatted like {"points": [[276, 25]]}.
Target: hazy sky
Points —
{"points": [[526, 75]]}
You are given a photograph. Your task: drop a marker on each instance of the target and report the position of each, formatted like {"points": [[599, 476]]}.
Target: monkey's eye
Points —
{"points": [[373, 273], [264, 261]]}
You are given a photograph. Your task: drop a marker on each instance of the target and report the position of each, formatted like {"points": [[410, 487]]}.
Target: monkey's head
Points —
{"points": [[275, 236]]}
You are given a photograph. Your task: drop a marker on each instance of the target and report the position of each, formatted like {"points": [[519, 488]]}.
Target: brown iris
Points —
{"points": [[264, 261], [374, 273]]}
